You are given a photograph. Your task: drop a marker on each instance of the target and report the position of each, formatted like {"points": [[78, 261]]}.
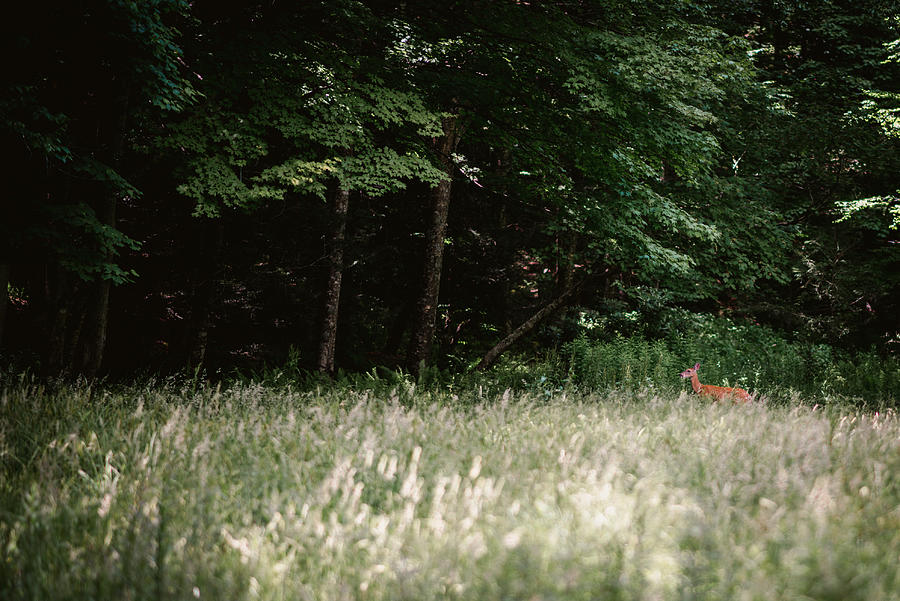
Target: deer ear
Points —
{"points": [[697, 366]]}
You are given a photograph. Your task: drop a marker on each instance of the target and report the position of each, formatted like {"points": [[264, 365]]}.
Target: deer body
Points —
{"points": [[719, 393]]}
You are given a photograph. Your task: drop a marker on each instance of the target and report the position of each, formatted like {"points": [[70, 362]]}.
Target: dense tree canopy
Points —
{"points": [[364, 182]]}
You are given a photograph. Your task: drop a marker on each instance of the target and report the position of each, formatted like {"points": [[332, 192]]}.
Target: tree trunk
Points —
{"points": [[93, 330], [4, 296], [58, 295], [335, 250], [396, 330], [426, 307], [566, 276], [206, 283], [504, 242], [97, 320], [491, 356]]}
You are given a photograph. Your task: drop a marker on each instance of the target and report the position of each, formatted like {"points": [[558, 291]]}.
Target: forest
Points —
{"points": [[399, 301], [344, 184]]}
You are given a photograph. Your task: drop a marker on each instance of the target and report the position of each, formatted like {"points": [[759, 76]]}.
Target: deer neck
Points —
{"points": [[695, 383]]}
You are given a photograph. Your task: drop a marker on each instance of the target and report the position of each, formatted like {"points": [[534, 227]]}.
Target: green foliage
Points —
{"points": [[876, 214], [38, 127], [157, 59], [83, 245], [84, 75], [318, 118], [735, 354], [827, 149], [237, 169], [731, 157], [632, 363], [637, 176]]}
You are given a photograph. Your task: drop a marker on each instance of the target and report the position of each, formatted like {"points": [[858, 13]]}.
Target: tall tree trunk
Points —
{"points": [[426, 306], [205, 284], [97, 321], [92, 334], [57, 295], [4, 296], [567, 269], [504, 244], [396, 330], [332, 296], [491, 356]]}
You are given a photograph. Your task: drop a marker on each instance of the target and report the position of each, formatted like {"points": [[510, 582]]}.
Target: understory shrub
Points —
{"points": [[734, 354]]}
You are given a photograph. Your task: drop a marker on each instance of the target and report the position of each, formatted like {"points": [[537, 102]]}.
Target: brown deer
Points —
{"points": [[719, 393]]}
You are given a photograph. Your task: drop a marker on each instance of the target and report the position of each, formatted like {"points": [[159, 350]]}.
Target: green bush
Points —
{"points": [[734, 354]]}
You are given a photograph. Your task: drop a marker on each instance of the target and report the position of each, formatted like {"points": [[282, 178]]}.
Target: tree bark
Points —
{"points": [[58, 295], [4, 296], [567, 269], [206, 283], [93, 330], [426, 306], [94, 345], [491, 356], [335, 250], [398, 326], [504, 241]]}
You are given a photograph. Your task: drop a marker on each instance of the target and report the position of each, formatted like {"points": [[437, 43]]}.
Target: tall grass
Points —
{"points": [[167, 491]]}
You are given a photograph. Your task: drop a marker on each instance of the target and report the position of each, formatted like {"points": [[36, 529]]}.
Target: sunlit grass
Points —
{"points": [[248, 492]]}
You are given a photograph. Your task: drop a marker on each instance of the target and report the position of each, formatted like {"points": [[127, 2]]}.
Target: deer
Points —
{"points": [[719, 393]]}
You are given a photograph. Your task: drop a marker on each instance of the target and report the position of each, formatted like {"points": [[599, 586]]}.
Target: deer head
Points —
{"points": [[689, 372]]}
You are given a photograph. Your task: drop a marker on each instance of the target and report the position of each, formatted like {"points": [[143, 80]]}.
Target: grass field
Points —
{"points": [[251, 492]]}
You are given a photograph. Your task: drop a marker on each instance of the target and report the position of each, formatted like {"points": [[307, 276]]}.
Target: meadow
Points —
{"points": [[397, 490]]}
